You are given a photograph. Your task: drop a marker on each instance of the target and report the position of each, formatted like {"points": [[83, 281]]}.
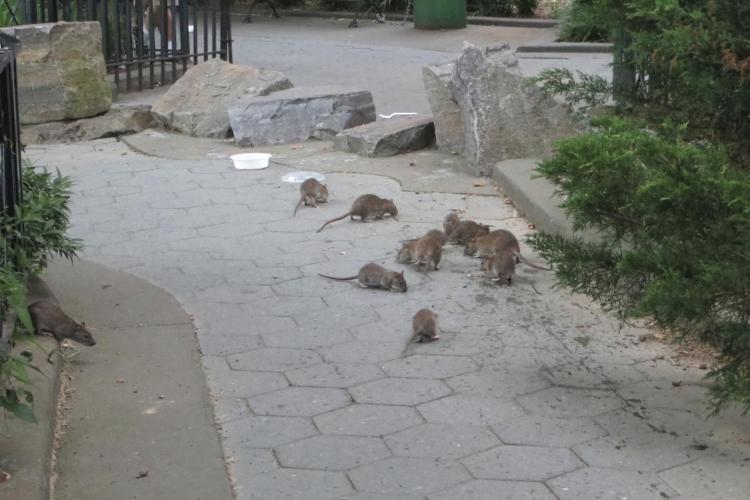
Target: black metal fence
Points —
{"points": [[10, 141], [146, 42]]}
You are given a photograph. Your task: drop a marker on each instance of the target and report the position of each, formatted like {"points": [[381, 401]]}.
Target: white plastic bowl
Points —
{"points": [[250, 161], [300, 177]]}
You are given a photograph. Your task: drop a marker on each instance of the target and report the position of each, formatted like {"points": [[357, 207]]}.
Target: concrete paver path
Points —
{"points": [[526, 395]]}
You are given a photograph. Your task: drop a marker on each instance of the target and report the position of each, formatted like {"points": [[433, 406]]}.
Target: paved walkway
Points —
{"points": [[526, 396]]}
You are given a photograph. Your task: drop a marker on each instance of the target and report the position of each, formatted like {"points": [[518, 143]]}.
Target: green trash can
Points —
{"points": [[439, 14]]}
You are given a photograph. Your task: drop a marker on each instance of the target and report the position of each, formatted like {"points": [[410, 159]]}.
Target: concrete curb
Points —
{"points": [[26, 448], [511, 22], [572, 47], [535, 197]]}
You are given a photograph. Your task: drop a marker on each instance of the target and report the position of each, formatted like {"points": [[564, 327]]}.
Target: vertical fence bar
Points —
{"points": [[79, 10], [195, 32], [52, 11], [213, 27], [163, 37], [225, 31], [67, 10], [117, 17], [184, 34], [138, 30], [128, 43], [151, 40], [173, 29], [205, 29]]}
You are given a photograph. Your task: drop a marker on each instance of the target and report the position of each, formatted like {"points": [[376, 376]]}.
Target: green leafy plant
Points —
{"points": [[587, 21], [581, 93], [35, 231], [526, 7], [675, 226], [490, 7]]}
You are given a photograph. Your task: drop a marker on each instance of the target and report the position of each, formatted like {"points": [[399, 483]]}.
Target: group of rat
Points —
{"points": [[498, 249]]}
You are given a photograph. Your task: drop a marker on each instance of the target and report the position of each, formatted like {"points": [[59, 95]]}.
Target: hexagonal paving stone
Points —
{"points": [[363, 352], [482, 489], [592, 376], [270, 275], [367, 420], [334, 375], [421, 366], [400, 475], [441, 441], [296, 484], [332, 452], [223, 344], [266, 432], [376, 496], [558, 401], [299, 338], [310, 286], [710, 479], [273, 359], [241, 324], [662, 394], [230, 383], [399, 391], [522, 463], [470, 410], [273, 306], [498, 383], [237, 294], [592, 482], [332, 318], [538, 430], [299, 401], [652, 452], [247, 463]]}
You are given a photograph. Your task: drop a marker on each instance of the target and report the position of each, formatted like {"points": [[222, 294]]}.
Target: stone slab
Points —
{"points": [[298, 114], [387, 137], [449, 131]]}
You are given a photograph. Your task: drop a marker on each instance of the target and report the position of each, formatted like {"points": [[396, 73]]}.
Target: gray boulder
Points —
{"points": [[449, 128], [504, 116], [115, 122], [387, 137], [197, 103], [298, 114], [61, 71]]}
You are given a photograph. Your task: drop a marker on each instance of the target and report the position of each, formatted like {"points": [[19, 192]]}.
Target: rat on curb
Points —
{"points": [[367, 206], [466, 230], [47, 317], [311, 193], [376, 276]]}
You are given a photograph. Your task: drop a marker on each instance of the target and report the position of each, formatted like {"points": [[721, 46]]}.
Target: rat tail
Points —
{"points": [[347, 214], [521, 258], [299, 204], [338, 279]]}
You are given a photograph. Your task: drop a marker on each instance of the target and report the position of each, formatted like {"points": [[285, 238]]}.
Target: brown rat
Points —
{"points": [[424, 251], [375, 276], [424, 328], [493, 242], [49, 318], [367, 206], [501, 266], [466, 230], [450, 222], [311, 193]]}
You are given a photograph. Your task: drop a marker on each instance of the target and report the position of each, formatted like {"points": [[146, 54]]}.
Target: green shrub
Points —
{"points": [[587, 21], [36, 231], [489, 7], [675, 220], [525, 7]]}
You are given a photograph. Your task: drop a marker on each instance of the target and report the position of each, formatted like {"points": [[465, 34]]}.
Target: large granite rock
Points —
{"points": [[504, 116], [61, 71], [197, 103], [298, 114], [449, 128], [387, 137], [115, 122]]}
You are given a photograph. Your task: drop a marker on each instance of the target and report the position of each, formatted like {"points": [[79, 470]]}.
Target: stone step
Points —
{"points": [[388, 137], [536, 198], [299, 114]]}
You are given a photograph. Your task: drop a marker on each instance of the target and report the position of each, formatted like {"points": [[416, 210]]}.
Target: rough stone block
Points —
{"points": [[119, 120], [61, 71], [387, 137], [504, 116], [299, 114], [197, 103], [449, 130]]}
